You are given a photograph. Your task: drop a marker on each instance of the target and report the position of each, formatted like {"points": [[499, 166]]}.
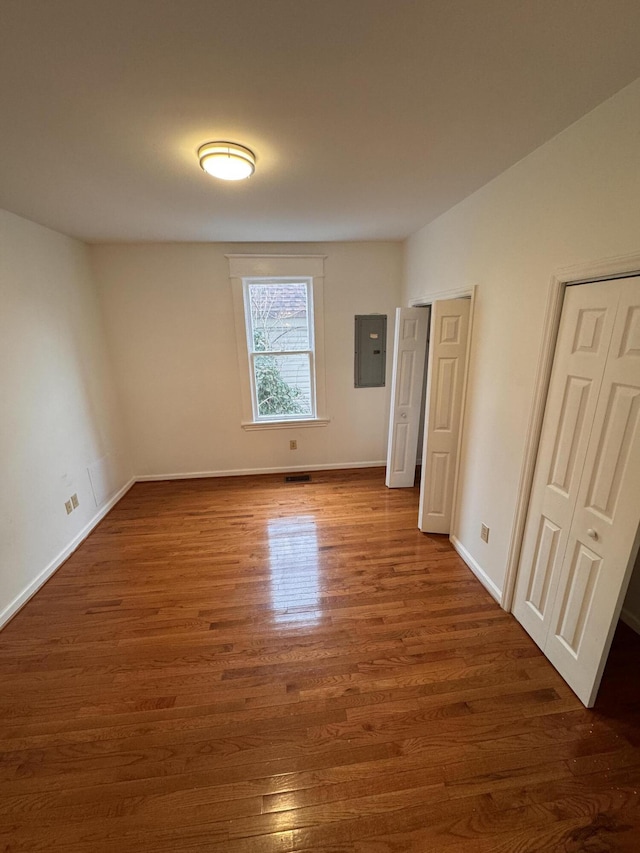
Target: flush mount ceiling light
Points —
{"points": [[227, 160]]}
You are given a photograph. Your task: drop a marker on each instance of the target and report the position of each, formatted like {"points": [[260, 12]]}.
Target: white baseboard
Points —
{"points": [[631, 620], [244, 472], [30, 590], [478, 571]]}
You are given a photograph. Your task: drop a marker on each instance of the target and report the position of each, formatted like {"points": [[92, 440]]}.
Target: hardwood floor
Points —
{"points": [[248, 665]]}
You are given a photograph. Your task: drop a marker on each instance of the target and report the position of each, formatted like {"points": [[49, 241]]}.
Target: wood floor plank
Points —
{"points": [[249, 666]]}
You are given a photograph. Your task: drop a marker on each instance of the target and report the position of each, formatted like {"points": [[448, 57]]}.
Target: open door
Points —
{"points": [[406, 395], [445, 385], [583, 526]]}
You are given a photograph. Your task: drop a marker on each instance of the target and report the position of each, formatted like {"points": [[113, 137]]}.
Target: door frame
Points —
{"points": [[606, 268], [423, 302]]}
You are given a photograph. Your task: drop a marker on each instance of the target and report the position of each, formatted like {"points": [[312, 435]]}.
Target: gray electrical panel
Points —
{"points": [[371, 350]]}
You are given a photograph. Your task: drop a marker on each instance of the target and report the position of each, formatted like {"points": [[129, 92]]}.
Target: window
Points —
{"points": [[278, 308], [279, 317]]}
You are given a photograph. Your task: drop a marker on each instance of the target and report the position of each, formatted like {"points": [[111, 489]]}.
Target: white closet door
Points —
{"points": [[406, 395], [581, 533], [602, 540], [581, 352], [445, 383]]}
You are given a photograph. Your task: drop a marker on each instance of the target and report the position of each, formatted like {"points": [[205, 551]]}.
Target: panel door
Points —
{"points": [[602, 540], [581, 353], [406, 395], [582, 531], [445, 385]]}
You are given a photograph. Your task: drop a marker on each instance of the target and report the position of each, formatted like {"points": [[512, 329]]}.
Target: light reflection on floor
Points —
{"points": [[294, 566]]}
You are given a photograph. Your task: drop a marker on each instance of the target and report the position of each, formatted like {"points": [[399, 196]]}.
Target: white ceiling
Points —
{"points": [[368, 117]]}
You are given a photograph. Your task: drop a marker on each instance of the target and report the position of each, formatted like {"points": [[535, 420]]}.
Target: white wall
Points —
{"points": [[573, 200], [59, 412], [169, 315]]}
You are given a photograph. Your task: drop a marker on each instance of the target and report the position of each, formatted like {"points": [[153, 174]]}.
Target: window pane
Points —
{"points": [[283, 385], [279, 317]]}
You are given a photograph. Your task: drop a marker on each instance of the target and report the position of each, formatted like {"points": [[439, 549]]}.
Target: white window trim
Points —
{"points": [[310, 267]]}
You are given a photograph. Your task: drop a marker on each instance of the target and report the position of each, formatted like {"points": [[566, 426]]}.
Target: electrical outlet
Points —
{"points": [[69, 507], [75, 503], [484, 532], [293, 444]]}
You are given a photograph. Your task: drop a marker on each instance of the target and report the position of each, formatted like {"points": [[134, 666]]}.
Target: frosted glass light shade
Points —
{"points": [[227, 160]]}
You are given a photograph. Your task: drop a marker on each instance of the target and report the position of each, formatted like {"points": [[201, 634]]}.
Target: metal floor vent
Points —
{"points": [[298, 478]]}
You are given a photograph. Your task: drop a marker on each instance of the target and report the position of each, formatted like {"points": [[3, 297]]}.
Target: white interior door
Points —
{"points": [[581, 352], [581, 535], [406, 394], [445, 384]]}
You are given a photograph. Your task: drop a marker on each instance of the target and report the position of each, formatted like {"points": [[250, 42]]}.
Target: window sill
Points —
{"points": [[309, 422]]}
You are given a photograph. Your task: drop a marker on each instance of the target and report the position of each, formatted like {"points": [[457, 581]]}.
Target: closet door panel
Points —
{"points": [[584, 338], [603, 538]]}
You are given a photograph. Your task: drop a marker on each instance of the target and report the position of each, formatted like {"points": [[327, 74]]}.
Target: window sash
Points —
{"points": [[252, 352], [298, 416], [276, 282]]}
